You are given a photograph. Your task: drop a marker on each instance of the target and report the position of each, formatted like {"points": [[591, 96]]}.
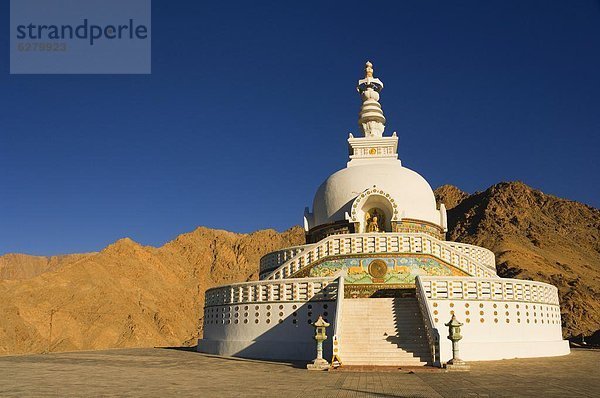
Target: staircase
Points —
{"points": [[383, 332]]}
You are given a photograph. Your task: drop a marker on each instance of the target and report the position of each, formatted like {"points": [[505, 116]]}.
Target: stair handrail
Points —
{"points": [[433, 336], [286, 253], [486, 256], [337, 325]]}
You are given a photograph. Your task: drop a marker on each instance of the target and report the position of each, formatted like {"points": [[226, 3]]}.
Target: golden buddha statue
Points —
{"points": [[374, 221]]}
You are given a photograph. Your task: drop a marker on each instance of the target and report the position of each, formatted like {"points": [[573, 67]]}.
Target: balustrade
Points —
{"points": [[496, 289], [417, 243], [305, 289]]}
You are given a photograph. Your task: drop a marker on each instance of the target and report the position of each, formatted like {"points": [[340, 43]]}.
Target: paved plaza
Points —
{"points": [[172, 372]]}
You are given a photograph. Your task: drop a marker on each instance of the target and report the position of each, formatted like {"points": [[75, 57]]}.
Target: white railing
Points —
{"points": [[480, 254], [433, 336], [337, 325], [305, 289], [272, 260], [382, 243], [493, 289]]}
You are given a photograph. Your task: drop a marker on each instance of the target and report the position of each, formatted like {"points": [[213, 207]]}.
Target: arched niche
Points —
{"points": [[367, 203]]}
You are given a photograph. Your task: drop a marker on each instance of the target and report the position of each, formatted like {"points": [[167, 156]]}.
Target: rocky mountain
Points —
{"points": [[450, 195], [129, 295], [22, 266], [535, 236]]}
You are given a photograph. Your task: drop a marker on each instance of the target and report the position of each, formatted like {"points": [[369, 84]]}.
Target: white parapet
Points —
{"points": [[268, 319], [471, 259], [503, 318]]}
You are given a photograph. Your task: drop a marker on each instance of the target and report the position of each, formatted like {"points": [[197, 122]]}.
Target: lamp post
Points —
{"points": [[455, 364], [320, 336]]}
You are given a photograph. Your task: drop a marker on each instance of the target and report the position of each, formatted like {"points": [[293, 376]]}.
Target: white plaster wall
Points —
{"points": [[266, 330], [499, 329]]}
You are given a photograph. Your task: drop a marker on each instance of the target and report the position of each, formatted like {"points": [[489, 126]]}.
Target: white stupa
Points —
{"points": [[377, 267]]}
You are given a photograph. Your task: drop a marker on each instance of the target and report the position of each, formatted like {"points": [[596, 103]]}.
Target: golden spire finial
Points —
{"points": [[368, 69]]}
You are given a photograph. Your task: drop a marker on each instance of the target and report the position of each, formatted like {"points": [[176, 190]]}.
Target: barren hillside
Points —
{"points": [[535, 236], [127, 295]]}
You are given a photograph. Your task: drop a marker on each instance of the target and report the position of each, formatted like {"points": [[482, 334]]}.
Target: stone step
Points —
{"points": [[384, 362], [383, 317], [380, 325], [375, 321], [407, 356], [368, 340], [394, 343], [384, 343], [376, 312], [407, 330], [386, 352], [361, 312], [401, 306], [370, 335], [383, 326], [363, 334], [371, 345], [380, 315], [386, 348], [373, 303], [383, 308], [392, 361], [384, 333], [379, 300], [397, 307], [379, 358], [381, 322], [381, 354]]}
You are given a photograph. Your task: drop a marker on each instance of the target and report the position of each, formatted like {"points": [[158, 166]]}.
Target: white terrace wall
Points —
{"points": [[268, 319], [503, 318], [384, 243]]}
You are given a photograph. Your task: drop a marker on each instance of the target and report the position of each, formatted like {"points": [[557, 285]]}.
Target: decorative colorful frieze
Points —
{"points": [[400, 270], [414, 226]]}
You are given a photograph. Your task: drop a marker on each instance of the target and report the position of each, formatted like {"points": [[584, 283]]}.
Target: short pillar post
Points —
{"points": [[455, 364], [320, 336]]}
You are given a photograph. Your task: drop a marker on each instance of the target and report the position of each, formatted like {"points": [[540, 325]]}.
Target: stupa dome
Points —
{"points": [[406, 189]]}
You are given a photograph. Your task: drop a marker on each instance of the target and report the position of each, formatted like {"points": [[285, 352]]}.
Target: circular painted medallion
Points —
{"points": [[378, 268]]}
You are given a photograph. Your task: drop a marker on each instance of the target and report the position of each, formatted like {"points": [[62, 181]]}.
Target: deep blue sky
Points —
{"points": [[249, 105]]}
